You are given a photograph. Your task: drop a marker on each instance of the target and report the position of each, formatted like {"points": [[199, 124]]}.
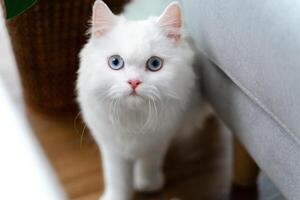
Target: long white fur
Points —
{"points": [[133, 132]]}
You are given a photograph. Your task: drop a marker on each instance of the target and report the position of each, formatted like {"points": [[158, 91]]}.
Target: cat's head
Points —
{"points": [[136, 61]]}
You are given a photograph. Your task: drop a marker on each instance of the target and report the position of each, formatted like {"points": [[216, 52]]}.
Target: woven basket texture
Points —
{"points": [[46, 41]]}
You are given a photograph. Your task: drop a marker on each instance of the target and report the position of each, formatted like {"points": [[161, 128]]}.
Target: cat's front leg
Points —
{"points": [[148, 171], [117, 176]]}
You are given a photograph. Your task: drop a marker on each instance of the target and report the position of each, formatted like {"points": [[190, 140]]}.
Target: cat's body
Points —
{"points": [[132, 144], [136, 84]]}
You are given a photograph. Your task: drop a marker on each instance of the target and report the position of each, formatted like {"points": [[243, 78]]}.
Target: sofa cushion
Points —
{"points": [[276, 154], [257, 44]]}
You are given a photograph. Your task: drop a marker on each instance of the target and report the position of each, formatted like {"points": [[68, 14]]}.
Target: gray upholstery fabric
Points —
{"points": [[257, 46], [276, 154]]}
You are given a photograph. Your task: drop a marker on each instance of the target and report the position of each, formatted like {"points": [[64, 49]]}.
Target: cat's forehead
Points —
{"points": [[137, 29], [136, 35]]}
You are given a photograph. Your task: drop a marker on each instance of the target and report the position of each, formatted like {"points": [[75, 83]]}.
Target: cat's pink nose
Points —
{"points": [[134, 83]]}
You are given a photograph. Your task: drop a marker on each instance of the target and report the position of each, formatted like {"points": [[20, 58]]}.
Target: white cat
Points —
{"points": [[135, 86]]}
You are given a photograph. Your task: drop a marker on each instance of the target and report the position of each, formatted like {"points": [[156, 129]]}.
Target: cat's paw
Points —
{"points": [[149, 182]]}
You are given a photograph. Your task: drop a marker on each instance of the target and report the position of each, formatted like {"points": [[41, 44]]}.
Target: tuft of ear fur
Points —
{"points": [[170, 21], [103, 19]]}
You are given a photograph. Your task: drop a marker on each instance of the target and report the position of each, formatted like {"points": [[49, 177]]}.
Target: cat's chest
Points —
{"points": [[128, 130], [130, 137], [138, 120], [130, 145], [135, 145]]}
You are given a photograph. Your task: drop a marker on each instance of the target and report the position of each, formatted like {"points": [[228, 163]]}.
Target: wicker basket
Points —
{"points": [[46, 40]]}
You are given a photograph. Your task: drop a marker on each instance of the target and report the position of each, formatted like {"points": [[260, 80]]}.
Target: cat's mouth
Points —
{"points": [[134, 93]]}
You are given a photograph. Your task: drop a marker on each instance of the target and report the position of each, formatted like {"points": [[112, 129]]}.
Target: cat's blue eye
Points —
{"points": [[154, 63], [116, 62]]}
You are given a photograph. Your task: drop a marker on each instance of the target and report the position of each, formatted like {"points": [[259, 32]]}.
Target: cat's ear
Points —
{"points": [[103, 19], [170, 21]]}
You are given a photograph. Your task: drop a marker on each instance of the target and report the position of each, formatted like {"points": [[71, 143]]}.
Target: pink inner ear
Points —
{"points": [[103, 18], [170, 21]]}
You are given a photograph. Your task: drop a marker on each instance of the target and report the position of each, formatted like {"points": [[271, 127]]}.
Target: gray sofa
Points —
{"points": [[252, 77]]}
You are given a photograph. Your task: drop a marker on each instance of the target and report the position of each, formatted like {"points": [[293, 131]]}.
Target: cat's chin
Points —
{"points": [[134, 100]]}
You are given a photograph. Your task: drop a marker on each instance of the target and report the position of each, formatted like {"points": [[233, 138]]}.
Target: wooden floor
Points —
{"points": [[196, 169]]}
